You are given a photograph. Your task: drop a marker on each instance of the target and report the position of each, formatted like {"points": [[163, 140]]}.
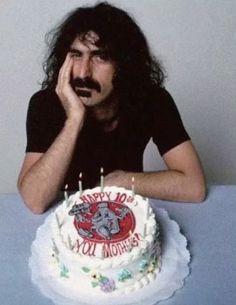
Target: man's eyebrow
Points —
{"points": [[94, 52], [72, 50], [99, 51]]}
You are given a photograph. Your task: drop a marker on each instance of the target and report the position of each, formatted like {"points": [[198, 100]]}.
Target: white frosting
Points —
{"points": [[127, 263]]}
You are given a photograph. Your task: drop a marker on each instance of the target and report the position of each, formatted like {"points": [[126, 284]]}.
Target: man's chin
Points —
{"points": [[87, 101]]}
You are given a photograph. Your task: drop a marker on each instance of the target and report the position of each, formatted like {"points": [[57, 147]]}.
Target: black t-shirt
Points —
{"points": [[120, 149]]}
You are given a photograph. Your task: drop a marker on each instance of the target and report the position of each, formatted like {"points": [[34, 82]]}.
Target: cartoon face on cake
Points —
{"points": [[103, 221]]}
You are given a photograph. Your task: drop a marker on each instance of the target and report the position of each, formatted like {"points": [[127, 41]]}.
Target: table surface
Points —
{"points": [[209, 228]]}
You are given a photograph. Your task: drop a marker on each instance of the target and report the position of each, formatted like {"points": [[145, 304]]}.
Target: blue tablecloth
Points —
{"points": [[209, 228]]}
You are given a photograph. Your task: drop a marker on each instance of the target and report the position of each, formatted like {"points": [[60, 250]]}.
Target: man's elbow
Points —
{"points": [[33, 203], [198, 192], [35, 206], [35, 209]]}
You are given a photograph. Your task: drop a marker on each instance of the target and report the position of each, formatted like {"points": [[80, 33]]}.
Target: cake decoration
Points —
{"points": [[124, 274], [63, 274], [103, 221], [106, 238]]}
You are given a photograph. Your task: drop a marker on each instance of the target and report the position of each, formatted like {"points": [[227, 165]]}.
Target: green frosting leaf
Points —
{"points": [[103, 279], [86, 269], [64, 274]]}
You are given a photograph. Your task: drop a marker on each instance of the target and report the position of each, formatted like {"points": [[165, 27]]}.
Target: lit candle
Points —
{"points": [[66, 195], [132, 186], [102, 179], [80, 184]]}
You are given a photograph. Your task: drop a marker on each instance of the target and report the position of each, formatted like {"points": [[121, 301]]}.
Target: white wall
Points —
{"points": [[196, 40]]}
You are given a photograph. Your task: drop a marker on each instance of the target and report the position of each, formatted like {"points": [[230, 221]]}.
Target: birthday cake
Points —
{"points": [[105, 242]]}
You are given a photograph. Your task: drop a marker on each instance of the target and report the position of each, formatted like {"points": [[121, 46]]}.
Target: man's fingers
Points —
{"points": [[65, 71], [66, 74], [69, 99]]}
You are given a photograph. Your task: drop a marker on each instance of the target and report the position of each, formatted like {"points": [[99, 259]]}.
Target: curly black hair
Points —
{"points": [[138, 71]]}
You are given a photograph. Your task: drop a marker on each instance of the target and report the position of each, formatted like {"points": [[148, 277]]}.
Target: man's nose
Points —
{"points": [[85, 67]]}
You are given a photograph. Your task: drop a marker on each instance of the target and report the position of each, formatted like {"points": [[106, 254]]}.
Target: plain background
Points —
{"points": [[196, 42]]}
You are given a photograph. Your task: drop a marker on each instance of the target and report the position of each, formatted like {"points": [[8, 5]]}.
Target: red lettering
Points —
{"points": [[130, 199], [102, 195], [114, 249], [134, 241], [95, 196], [108, 195], [124, 247], [117, 197], [121, 197], [84, 198], [79, 244], [88, 198], [86, 247], [91, 198], [106, 250], [138, 236], [119, 248], [92, 249]]}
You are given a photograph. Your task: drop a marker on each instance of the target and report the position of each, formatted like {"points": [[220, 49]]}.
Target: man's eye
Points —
{"points": [[102, 57], [75, 55]]}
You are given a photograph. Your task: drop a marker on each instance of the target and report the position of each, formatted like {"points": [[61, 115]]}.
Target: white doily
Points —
{"points": [[174, 269]]}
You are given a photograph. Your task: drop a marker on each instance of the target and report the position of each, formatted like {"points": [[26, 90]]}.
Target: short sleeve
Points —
{"points": [[45, 119], [168, 130]]}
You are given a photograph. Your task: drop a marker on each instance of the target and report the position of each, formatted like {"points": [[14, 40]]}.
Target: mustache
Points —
{"points": [[86, 82]]}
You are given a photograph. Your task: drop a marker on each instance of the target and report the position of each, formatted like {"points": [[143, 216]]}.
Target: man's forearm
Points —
{"points": [[169, 185], [41, 183]]}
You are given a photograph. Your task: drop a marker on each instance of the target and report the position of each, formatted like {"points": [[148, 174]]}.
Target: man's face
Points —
{"points": [[92, 71]]}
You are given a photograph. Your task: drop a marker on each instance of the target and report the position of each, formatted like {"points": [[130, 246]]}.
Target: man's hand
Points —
{"points": [[72, 104], [115, 178]]}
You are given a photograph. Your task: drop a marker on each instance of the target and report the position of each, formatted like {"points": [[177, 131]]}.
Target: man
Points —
{"points": [[102, 100]]}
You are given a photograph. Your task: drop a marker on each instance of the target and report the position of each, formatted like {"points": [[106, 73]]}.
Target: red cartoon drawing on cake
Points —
{"points": [[103, 221]]}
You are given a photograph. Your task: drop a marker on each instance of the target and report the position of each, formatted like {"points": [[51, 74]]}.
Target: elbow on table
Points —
{"points": [[35, 205], [34, 208], [198, 193]]}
